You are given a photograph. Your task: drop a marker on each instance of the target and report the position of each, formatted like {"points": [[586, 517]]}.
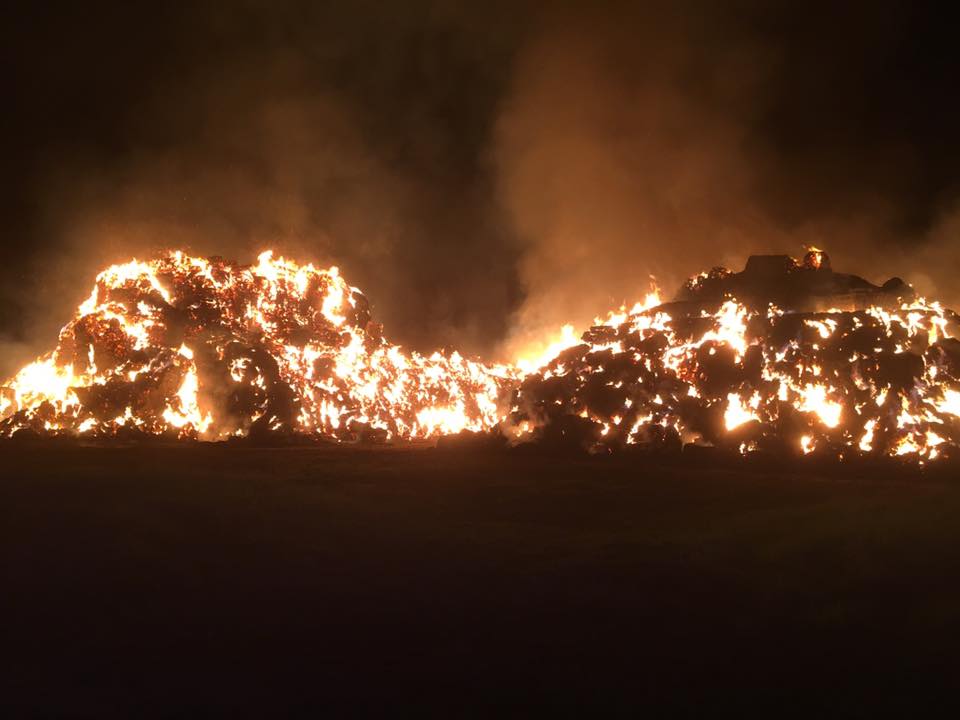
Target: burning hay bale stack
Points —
{"points": [[187, 347], [754, 377], [785, 356]]}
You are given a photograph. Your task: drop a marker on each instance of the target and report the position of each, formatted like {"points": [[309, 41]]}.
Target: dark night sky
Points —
{"points": [[482, 171]]}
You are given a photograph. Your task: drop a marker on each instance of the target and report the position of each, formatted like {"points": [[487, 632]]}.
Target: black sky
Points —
{"points": [[475, 169]]}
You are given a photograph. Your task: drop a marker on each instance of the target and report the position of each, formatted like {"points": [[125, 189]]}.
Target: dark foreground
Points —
{"points": [[244, 581]]}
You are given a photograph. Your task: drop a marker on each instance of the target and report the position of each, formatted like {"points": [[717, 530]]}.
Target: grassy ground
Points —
{"points": [[240, 580]]}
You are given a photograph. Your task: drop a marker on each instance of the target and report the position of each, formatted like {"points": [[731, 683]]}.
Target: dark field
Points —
{"points": [[238, 580]]}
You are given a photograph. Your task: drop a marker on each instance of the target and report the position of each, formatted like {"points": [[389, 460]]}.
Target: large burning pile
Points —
{"points": [[786, 356], [878, 373], [205, 348]]}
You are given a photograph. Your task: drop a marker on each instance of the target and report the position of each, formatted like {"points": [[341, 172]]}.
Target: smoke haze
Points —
{"points": [[484, 174]]}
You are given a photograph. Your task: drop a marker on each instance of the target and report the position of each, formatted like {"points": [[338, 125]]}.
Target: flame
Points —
{"points": [[537, 356], [736, 414], [651, 300], [813, 398], [814, 258], [950, 404], [531, 361]]}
